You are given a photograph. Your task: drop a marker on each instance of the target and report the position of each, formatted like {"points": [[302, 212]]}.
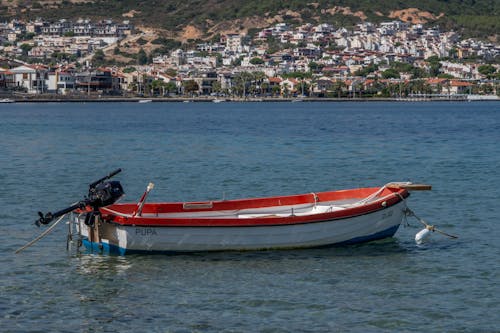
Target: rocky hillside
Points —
{"points": [[203, 19]]}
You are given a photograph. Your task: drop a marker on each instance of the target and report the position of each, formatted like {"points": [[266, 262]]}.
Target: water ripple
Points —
{"points": [[205, 151]]}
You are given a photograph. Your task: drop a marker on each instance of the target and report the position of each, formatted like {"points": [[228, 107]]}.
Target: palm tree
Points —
{"points": [[258, 78], [286, 90], [216, 87], [338, 87], [242, 82]]}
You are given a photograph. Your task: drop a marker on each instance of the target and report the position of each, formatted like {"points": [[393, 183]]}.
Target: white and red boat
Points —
{"points": [[281, 222]]}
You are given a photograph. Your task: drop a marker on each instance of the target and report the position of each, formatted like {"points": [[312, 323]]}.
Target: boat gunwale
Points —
{"points": [[390, 199]]}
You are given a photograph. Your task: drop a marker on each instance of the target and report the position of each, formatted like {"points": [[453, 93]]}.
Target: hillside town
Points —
{"points": [[387, 60]]}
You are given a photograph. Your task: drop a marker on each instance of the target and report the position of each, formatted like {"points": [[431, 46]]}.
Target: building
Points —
{"points": [[32, 79]]}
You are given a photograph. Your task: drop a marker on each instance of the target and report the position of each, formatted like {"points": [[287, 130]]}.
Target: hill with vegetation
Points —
{"points": [[203, 19]]}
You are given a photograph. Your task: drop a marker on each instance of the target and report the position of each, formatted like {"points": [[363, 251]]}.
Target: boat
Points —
{"points": [[6, 100], [309, 220], [280, 222], [145, 100]]}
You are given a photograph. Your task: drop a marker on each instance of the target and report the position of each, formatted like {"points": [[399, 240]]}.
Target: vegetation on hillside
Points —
{"points": [[475, 18]]}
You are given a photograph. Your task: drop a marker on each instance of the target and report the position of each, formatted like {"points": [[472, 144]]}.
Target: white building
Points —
{"points": [[233, 43], [31, 78]]}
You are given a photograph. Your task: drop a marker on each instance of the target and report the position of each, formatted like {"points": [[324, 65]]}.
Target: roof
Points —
{"points": [[436, 80], [455, 83]]}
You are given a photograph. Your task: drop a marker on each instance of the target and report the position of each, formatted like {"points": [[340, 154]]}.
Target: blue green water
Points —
{"points": [[49, 153]]}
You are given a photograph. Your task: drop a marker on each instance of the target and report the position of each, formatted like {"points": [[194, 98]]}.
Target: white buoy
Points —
{"points": [[422, 235]]}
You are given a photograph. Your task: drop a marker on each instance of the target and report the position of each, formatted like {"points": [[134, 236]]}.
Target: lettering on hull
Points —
{"points": [[145, 232]]}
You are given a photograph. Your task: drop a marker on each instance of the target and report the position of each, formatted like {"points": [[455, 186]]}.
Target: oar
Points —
{"points": [[142, 201]]}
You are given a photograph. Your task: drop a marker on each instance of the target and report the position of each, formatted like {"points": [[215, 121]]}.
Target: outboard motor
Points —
{"points": [[101, 194], [105, 194]]}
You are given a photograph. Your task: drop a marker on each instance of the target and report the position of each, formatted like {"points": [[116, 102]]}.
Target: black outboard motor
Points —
{"points": [[101, 194]]}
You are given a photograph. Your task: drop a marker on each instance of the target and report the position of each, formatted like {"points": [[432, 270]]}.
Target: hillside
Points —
{"points": [[202, 19]]}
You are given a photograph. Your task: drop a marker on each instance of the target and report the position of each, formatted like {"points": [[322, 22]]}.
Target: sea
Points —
{"points": [[51, 152]]}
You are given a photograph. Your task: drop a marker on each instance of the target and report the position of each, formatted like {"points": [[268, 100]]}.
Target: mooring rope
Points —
{"points": [[43, 234], [372, 196]]}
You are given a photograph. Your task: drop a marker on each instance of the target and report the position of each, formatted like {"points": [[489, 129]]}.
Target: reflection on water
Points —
{"points": [[102, 265]]}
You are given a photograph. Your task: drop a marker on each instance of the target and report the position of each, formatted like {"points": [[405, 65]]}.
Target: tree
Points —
{"points": [[434, 65], [171, 72], [142, 57], [401, 66], [366, 70], [256, 61], [390, 73], [170, 87], [99, 58], [445, 76], [236, 62], [286, 90], [315, 67], [297, 75], [157, 87], [26, 48], [190, 86], [486, 70], [242, 82], [258, 78], [216, 87]]}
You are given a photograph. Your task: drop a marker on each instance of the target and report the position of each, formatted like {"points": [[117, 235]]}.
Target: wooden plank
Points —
{"points": [[411, 186]]}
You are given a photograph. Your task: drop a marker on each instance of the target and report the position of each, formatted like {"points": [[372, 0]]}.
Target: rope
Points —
{"points": [[117, 213], [376, 194], [43, 234], [408, 212], [373, 195]]}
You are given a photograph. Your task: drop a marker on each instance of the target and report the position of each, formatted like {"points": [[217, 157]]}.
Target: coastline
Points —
{"points": [[101, 99]]}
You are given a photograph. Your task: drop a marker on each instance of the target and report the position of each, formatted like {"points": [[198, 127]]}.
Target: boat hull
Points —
{"points": [[121, 239]]}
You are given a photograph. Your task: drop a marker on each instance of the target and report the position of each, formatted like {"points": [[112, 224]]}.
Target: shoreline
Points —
{"points": [[140, 100]]}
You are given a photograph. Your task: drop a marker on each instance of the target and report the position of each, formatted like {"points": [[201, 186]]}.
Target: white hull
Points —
{"points": [[123, 238]]}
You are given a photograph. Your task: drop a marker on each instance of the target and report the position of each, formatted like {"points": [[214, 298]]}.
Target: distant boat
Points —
{"points": [[217, 100], [482, 98], [145, 101], [6, 100], [307, 220]]}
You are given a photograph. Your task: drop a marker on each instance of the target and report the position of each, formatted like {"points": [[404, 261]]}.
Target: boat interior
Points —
{"points": [[285, 206]]}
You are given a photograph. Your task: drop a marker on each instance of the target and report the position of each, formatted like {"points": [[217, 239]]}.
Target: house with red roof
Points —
{"points": [[6, 78], [460, 87]]}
